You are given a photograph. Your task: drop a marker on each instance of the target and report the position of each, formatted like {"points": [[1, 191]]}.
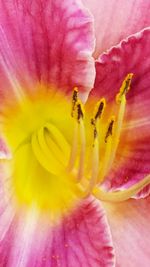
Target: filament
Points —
{"points": [[123, 195]]}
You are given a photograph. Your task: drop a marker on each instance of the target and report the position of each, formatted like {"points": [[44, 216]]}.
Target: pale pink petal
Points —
{"points": [[81, 240], [4, 151], [132, 161], [48, 42], [143, 193], [129, 223], [7, 215], [115, 20]]}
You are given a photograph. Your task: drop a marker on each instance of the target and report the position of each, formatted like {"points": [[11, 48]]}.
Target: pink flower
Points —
{"points": [[60, 158]]}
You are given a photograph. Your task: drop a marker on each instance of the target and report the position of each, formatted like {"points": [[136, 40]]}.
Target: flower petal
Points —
{"points": [[115, 20], [129, 223], [4, 152], [82, 239], [45, 41], [132, 162]]}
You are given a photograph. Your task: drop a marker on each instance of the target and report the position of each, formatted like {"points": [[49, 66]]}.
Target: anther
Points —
{"points": [[74, 100], [121, 100], [110, 129], [124, 87], [97, 114], [80, 112], [74, 114], [99, 108], [95, 133], [78, 115]]}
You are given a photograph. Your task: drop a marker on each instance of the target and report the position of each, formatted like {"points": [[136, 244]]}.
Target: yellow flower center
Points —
{"points": [[57, 159], [39, 131]]}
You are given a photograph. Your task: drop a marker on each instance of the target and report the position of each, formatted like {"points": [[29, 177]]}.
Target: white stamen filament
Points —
{"points": [[82, 150], [74, 147], [117, 133], [95, 167], [106, 161], [123, 194]]}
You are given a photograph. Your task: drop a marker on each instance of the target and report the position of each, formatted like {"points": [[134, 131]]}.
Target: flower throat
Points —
{"points": [[58, 159]]}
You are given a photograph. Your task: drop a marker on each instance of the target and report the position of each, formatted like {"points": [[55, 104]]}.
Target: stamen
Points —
{"points": [[74, 100], [99, 109], [97, 114], [125, 87], [80, 112], [74, 147], [95, 160], [111, 139], [110, 129], [95, 133], [80, 117], [119, 196], [108, 150], [120, 99]]}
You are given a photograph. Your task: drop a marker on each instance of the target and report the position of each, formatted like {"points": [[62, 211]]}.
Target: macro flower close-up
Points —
{"points": [[74, 133]]}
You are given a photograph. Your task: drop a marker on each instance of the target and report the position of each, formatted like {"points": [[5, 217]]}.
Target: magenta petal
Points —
{"points": [[46, 41], [115, 20], [82, 239], [132, 161], [129, 223]]}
